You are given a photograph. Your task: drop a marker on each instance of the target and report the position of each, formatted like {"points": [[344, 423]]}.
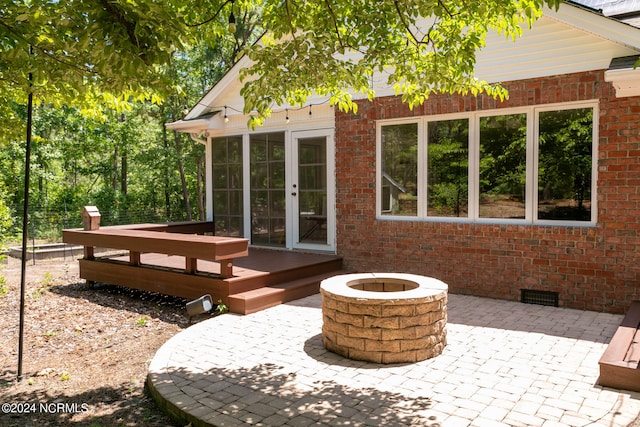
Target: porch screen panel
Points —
{"points": [[565, 145], [448, 168], [503, 166], [268, 214], [227, 186], [399, 192]]}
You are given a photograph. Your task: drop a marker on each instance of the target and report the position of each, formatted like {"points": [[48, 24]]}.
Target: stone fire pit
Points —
{"points": [[384, 317]]}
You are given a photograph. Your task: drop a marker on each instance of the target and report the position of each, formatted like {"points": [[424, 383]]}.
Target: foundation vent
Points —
{"points": [[530, 296]]}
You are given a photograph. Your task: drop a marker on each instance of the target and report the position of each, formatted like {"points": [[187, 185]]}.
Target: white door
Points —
{"points": [[312, 190]]}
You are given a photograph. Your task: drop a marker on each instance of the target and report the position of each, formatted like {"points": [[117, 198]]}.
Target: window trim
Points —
{"points": [[379, 174], [595, 126], [532, 156], [529, 189]]}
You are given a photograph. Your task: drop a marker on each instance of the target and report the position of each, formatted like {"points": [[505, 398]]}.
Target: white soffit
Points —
{"points": [[599, 25]]}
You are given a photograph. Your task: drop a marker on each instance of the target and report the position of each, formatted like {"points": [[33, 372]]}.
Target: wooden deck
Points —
{"points": [[620, 363], [263, 279], [172, 260]]}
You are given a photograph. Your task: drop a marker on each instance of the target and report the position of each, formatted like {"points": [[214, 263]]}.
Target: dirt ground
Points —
{"points": [[86, 349]]}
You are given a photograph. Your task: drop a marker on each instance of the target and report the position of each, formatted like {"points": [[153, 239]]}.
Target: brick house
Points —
{"points": [[534, 198]]}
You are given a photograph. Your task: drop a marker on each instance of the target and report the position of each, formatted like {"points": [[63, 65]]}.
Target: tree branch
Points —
{"points": [[293, 32], [335, 24], [129, 26], [48, 54], [406, 24], [446, 9], [215, 15]]}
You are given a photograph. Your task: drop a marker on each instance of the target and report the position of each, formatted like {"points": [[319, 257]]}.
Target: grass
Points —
{"points": [[4, 289]]}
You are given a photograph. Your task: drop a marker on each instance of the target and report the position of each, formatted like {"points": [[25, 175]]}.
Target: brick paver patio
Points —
{"points": [[506, 364]]}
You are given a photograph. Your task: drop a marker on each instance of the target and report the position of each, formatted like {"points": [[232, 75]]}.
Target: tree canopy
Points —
{"points": [[334, 48], [91, 52], [88, 61]]}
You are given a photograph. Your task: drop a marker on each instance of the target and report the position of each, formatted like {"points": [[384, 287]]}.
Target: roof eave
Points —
{"points": [[189, 126], [595, 22], [232, 75]]}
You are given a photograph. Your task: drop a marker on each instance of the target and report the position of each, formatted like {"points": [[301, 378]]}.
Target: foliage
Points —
{"points": [[221, 308], [565, 155], [6, 220], [120, 164], [142, 321], [89, 62], [81, 53], [503, 155], [333, 48], [4, 289], [107, 54], [400, 153], [448, 164], [72, 47], [90, 53], [47, 280], [118, 157]]}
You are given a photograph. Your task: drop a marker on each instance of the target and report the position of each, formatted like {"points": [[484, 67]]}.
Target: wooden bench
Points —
{"points": [[620, 363], [163, 239]]}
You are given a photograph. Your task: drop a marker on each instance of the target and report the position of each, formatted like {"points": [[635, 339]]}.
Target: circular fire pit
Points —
{"points": [[384, 317]]}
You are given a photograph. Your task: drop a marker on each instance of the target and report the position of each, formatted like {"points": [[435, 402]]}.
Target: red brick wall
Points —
{"points": [[596, 268]]}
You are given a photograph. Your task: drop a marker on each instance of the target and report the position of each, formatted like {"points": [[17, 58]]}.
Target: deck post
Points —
{"points": [[90, 221], [134, 258], [226, 268], [89, 253], [191, 266]]}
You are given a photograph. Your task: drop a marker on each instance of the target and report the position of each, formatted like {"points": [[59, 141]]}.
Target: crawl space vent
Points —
{"points": [[530, 296]]}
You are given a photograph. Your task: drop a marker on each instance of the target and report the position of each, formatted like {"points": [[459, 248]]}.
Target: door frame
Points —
{"points": [[292, 205]]}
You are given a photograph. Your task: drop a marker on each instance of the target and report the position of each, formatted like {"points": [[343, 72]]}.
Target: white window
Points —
{"points": [[525, 165]]}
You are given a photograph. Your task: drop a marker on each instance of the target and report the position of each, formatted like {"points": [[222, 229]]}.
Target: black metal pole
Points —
{"points": [[25, 225]]}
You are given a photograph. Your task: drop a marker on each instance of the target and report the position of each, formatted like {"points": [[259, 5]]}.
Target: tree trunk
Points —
{"points": [[114, 176], [124, 171]]}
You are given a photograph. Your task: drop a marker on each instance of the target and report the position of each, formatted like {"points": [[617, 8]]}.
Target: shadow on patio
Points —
{"points": [[505, 364], [269, 395]]}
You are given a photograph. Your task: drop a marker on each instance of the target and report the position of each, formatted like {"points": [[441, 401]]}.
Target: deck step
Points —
{"points": [[283, 274], [269, 296], [620, 362]]}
